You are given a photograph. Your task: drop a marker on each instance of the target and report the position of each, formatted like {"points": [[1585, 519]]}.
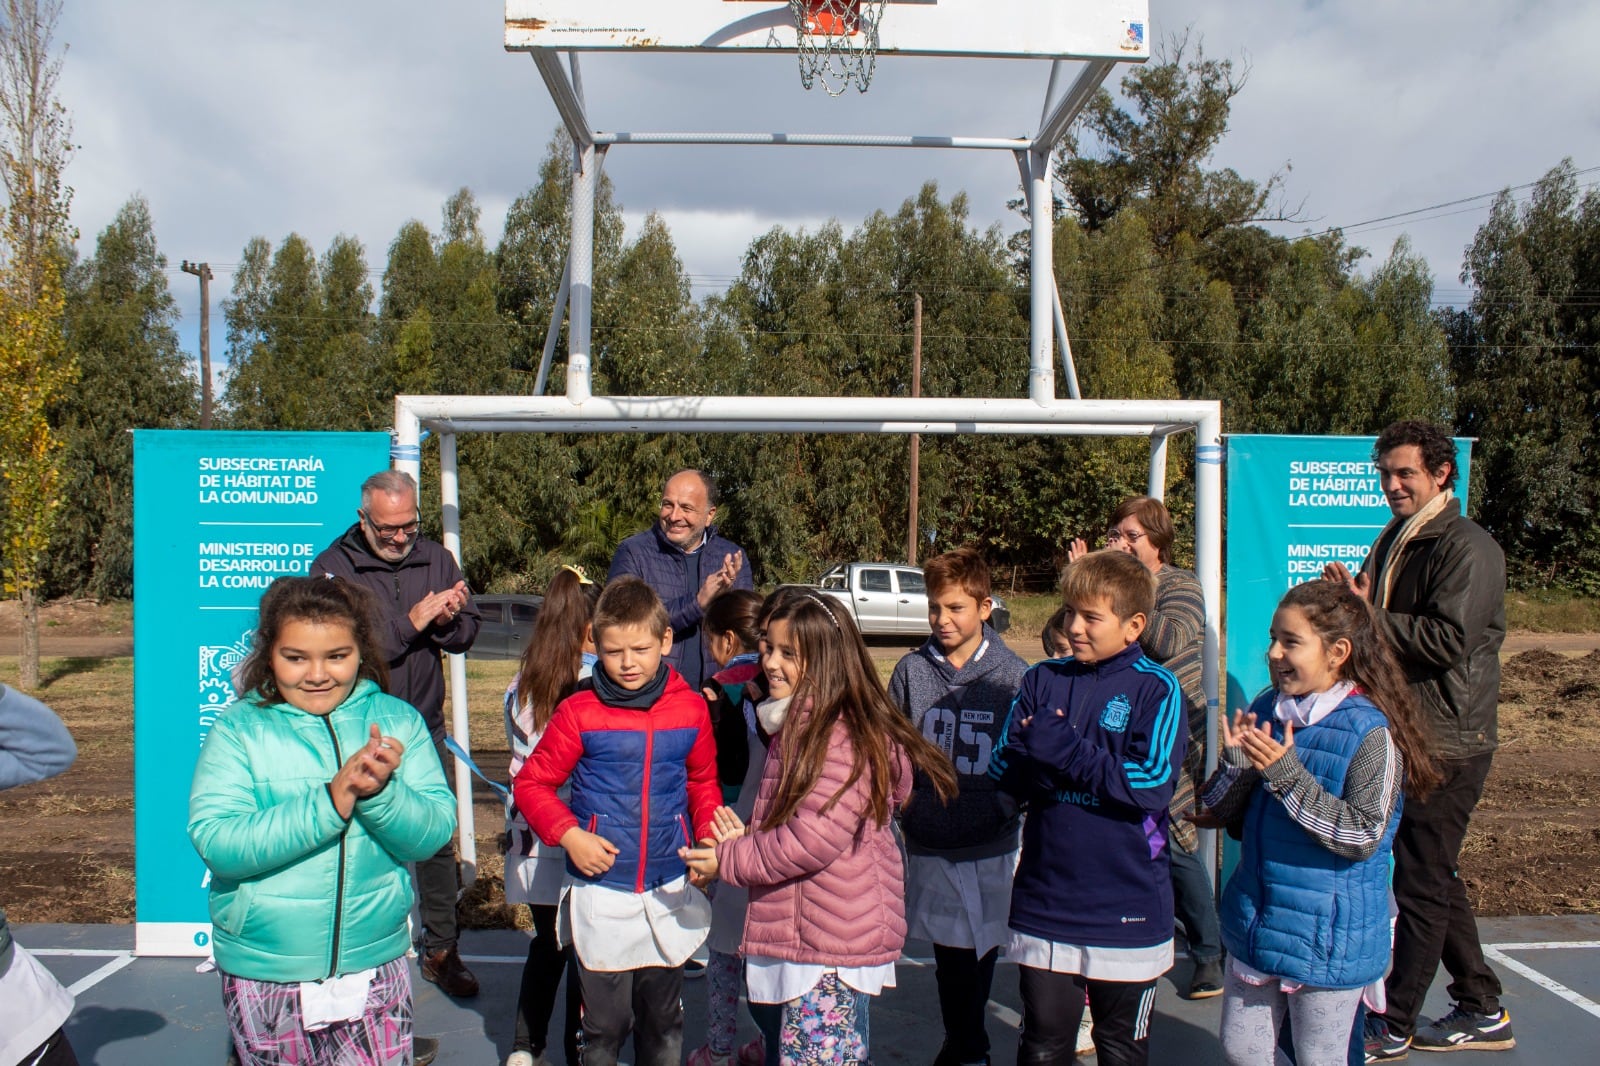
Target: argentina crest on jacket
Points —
{"points": [[1114, 718]]}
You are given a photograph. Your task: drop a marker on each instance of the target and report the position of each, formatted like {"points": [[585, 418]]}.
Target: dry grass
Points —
{"points": [[1552, 611]]}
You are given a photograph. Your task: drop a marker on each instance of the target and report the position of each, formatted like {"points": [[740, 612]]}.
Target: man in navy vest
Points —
{"points": [[688, 564], [1437, 584]]}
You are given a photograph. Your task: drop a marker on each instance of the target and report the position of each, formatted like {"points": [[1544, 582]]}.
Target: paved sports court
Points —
{"points": [[137, 1011]]}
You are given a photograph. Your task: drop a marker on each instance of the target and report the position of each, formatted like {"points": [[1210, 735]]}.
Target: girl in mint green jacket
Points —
{"points": [[306, 809]]}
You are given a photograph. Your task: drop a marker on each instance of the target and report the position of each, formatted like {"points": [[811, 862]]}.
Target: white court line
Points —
{"points": [[120, 960], [1497, 952], [79, 987]]}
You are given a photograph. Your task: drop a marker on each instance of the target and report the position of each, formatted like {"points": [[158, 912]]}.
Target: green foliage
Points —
{"points": [[121, 326], [301, 340], [1529, 380], [36, 368], [1170, 286]]}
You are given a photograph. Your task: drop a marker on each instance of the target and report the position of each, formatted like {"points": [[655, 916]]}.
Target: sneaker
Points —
{"points": [[1085, 1044], [752, 1054], [1464, 1030], [1383, 1045], [1207, 980], [704, 1056], [693, 969], [445, 969], [424, 1049]]}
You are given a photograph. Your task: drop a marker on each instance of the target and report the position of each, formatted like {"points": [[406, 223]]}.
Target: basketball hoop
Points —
{"points": [[838, 41]]}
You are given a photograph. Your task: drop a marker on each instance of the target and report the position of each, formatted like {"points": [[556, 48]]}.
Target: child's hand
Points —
{"points": [[592, 855], [382, 755], [1259, 746], [1049, 738], [1243, 722], [702, 864], [725, 825], [1203, 818]]}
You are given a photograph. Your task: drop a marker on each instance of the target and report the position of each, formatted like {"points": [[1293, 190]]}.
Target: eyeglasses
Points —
{"points": [[1117, 536], [408, 529]]}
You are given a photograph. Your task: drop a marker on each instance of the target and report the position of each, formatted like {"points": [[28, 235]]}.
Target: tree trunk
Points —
{"points": [[28, 600]]}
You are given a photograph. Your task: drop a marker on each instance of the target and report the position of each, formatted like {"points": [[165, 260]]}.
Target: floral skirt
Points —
{"points": [[825, 1027]]}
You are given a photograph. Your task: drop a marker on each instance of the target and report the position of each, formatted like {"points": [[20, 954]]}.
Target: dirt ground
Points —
{"points": [[67, 851]]}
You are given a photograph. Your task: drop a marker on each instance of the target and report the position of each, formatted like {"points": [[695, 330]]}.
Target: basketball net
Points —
{"points": [[838, 41]]}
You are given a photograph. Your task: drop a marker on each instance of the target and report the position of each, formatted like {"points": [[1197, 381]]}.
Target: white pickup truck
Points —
{"points": [[889, 599]]}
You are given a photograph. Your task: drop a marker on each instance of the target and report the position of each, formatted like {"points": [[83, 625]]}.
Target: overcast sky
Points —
{"points": [[237, 120]]}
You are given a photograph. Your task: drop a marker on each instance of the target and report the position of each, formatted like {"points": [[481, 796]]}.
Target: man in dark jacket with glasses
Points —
{"points": [[426, 610]]}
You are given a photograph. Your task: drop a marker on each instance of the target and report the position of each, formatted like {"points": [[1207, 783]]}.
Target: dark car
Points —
{"points": [[507, 624]]}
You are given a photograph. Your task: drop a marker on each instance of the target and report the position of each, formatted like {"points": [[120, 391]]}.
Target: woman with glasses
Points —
{"points": [[1175, 638]]}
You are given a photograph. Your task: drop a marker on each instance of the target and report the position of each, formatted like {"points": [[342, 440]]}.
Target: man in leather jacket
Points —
{"points": [[1437, 583]]}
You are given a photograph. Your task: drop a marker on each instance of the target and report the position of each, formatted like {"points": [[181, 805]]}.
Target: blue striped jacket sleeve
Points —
{"points": [[1143, 774]]}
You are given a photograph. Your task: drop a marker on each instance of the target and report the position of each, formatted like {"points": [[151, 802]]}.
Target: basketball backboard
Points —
{"points": [[1042, 29]]}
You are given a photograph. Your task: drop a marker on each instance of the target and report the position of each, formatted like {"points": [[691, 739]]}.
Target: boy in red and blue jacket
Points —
{"points": [[1091, 749], [636, 743]]}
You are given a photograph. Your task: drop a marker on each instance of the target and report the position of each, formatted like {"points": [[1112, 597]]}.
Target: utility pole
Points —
{"points": [[916, 438], [203, 272]]}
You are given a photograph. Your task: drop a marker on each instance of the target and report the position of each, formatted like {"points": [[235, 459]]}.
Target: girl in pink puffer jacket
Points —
{"points": [[826, 919]]}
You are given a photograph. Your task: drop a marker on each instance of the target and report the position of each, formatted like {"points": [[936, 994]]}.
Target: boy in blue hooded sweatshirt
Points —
{"points": [[1091, 749]]}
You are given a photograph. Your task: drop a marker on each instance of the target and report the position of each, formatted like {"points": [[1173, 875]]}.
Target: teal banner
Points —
{"points": [[1295, 504], [216, 518]]}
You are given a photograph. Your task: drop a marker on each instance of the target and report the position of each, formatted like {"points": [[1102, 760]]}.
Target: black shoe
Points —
{"points": [[445, 969], [948, 1056], [423, 1050], [1464, 1030], [693, 969], [1207, 980], [1381, 1045]]}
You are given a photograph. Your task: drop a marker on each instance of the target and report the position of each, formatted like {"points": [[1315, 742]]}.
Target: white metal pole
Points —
{"points": [[580, 259], [1041, 368], [1157, 486], [460, 727], [1208, 568], [1067, 363], [405, 446], [557, 310]]}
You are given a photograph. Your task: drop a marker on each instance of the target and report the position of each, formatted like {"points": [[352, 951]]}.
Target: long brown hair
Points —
{"points": [[840, 684], [1336, 613], [322, 600], [549, 669]]}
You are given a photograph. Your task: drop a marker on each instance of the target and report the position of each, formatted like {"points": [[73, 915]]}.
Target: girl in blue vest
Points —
{"points": [[1314, 773]]}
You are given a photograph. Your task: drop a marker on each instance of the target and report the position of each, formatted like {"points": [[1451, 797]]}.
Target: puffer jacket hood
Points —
{"points": [[297, 892]]}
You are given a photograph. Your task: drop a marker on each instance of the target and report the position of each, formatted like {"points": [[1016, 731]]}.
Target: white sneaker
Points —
{"points": [[1085, 1040]]}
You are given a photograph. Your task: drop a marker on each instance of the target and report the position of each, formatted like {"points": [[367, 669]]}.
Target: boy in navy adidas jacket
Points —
{"points": [[1090, 749]]}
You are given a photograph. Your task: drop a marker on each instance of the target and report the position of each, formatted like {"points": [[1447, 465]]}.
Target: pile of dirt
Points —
{"points": [[1534, 843]]}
